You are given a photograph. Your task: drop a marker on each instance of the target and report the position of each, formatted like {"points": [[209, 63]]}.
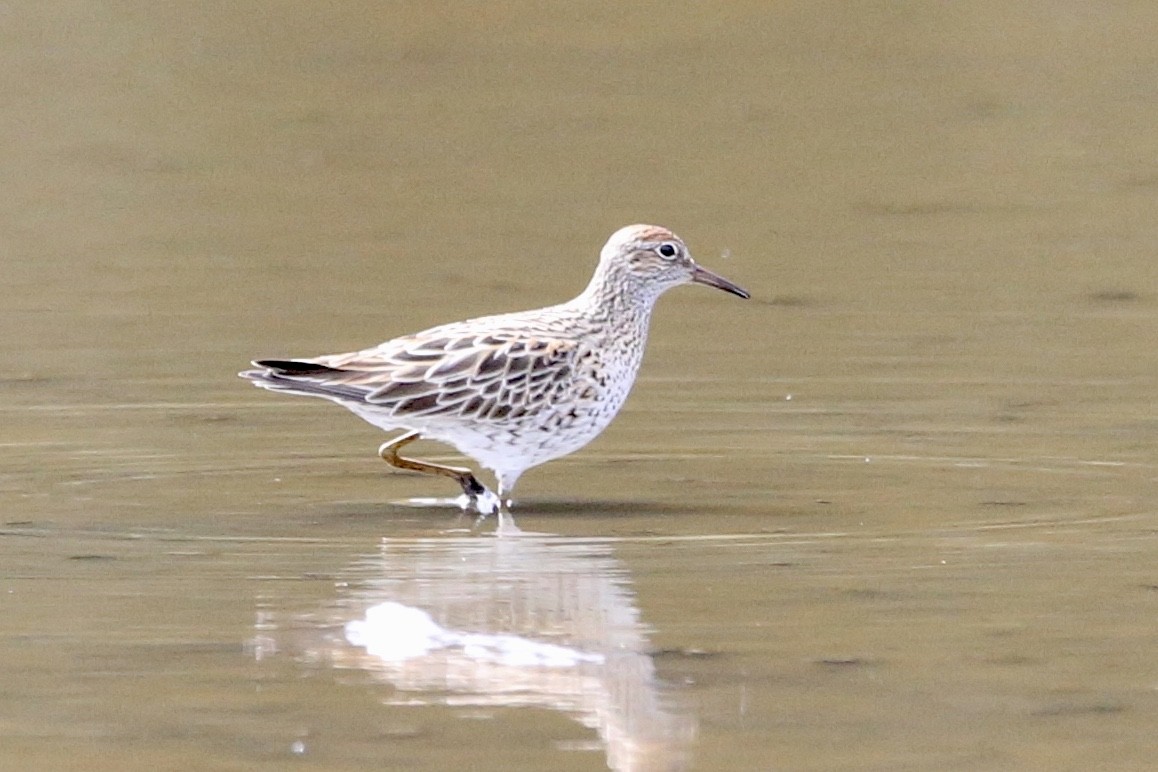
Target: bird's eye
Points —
{"points": [[667, 250]]}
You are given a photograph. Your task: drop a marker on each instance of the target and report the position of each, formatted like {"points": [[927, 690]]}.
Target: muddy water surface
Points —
{"points": [[898, 511]]}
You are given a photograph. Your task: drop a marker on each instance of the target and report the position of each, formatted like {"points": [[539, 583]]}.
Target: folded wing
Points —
{"points": [[490, 376]]}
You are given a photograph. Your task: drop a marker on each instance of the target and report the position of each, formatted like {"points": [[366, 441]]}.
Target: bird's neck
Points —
{"points": [[613, 299]]}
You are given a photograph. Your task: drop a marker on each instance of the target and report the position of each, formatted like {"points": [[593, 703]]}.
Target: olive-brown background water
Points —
{"points": [[897, 511]]}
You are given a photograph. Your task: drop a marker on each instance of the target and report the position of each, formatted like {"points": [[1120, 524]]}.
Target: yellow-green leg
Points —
{"points": [[464, 477]]}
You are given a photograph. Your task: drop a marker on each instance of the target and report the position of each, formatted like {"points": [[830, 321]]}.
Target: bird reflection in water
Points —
{"points": [[522, 620]]}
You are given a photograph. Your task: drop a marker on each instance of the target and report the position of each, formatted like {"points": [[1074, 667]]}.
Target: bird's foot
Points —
{"points": [[484, 503], [477, 496]]}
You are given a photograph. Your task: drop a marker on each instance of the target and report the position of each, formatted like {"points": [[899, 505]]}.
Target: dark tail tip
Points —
{"points": [[293, 367]]}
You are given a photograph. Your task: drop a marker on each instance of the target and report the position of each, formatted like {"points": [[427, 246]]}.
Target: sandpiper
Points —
{"points": [[515, 390]]}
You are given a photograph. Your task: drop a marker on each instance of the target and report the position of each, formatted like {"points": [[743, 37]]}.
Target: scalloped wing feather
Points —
{"points": [[486, 376]]}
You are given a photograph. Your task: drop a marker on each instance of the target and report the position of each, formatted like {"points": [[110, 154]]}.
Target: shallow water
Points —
{"points": [[898, 511]]}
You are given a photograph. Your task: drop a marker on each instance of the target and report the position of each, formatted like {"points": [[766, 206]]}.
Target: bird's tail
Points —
{"points": [[299, 377]]}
